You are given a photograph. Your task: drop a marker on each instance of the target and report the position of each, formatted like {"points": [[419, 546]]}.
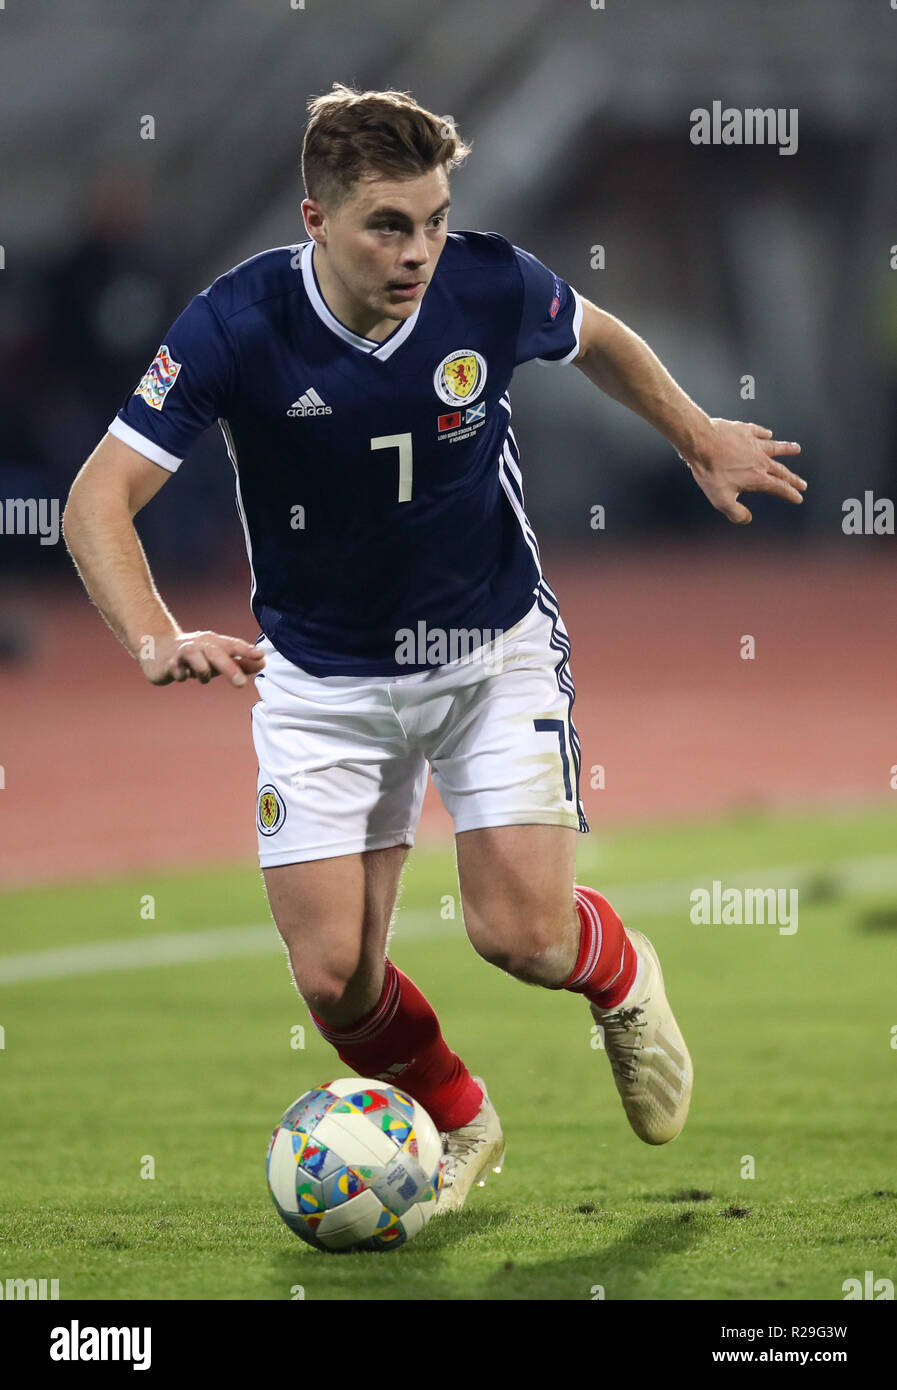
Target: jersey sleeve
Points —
{"points": [[186, 388], [551, 318]]}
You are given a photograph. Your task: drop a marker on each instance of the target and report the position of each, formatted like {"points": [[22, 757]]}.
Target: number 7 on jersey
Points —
{"points": [[402, 442]]}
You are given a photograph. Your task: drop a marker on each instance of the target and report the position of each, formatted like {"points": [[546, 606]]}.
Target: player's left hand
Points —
{"points": [[740, 457]]}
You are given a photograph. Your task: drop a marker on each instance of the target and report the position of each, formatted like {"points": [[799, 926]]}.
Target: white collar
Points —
{"points": [[369, 345]]}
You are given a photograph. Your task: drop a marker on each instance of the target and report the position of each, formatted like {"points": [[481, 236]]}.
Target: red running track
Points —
{"points": [[104, 773]]}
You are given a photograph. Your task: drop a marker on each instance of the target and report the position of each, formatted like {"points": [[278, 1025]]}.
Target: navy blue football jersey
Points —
{"points": [[378, 483]]}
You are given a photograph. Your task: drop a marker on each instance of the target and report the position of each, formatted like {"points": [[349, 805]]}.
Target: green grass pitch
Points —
{"points": [[190, 1065]]}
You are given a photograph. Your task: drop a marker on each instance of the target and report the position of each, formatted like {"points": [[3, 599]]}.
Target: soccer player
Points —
{"points": [[360, 379]]}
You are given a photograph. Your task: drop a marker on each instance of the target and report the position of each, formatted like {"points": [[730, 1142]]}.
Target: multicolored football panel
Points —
{"points": [[355, 1164]]}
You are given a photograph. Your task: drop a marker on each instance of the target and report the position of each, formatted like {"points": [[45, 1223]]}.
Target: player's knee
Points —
{"points": [[325, 995], [537, 953], [337, 1000], [336, 988]]}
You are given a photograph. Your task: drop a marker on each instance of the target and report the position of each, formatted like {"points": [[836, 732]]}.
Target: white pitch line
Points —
{"points": [[175, 948], [848, 877]]}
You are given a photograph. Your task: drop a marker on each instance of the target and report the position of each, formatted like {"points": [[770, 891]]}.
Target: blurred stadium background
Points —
{"points": [[730, 262]]}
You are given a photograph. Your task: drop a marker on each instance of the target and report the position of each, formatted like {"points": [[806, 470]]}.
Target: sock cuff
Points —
{"points": [[590, 941], [370, 1024], [607, 962]]}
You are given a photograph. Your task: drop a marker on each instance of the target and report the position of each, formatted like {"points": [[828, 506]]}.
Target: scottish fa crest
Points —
{"points": [[271, 811], [460, 376]]}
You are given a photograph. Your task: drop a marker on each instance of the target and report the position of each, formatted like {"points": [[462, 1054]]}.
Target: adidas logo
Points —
{"points": [[310, 403]]}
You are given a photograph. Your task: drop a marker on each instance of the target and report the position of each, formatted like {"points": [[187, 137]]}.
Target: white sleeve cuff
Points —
{"points": [[577, 330], [144, 446]]}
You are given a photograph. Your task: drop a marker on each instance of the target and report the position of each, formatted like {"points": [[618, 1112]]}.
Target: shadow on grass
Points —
{"points": [[619, 1268], [412, 1272]]}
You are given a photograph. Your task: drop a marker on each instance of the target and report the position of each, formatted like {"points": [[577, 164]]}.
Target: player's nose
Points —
{"points": [[417, 253]]}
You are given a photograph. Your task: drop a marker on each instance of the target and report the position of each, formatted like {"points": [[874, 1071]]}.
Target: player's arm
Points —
{"points": [[726, 457], [113, 485]]}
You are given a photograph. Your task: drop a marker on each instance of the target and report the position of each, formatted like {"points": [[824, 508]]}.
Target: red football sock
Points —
{"points": [[607, 962], [400, 1041]]}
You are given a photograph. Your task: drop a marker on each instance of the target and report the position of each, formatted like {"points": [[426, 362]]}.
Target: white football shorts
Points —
{"points": [[343, 759]]}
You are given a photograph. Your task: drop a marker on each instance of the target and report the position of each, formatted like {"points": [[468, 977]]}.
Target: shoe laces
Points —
{"points": [[457, 1144], [624, 1026]]}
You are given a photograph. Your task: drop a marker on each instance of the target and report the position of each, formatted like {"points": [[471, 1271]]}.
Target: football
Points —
{"points": [[355, 1165]]}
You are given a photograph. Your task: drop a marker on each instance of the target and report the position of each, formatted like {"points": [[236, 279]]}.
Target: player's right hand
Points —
{"points": [[199, 656]]}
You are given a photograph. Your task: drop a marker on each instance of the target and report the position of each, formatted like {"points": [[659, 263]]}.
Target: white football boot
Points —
{"points": [[469, 1153], [647, 1052]]}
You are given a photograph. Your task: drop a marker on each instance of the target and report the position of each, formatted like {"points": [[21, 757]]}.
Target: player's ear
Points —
{"points": [[313, 216]]}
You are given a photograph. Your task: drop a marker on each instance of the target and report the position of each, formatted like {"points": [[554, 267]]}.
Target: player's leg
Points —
{"points": [[339, 798], [507, 767], [334, 915], [524, 914], [516, 885]]}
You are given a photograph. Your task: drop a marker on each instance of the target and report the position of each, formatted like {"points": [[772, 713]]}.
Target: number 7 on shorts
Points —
{"points": [[557, 726]]}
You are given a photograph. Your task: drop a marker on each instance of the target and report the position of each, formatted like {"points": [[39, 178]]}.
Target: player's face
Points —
{"points": [[384, 241]]}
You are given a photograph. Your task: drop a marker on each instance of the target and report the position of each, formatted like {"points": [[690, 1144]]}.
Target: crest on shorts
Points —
{"points": [[158, 380], [460, 376], [271, 811]]}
